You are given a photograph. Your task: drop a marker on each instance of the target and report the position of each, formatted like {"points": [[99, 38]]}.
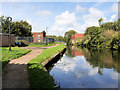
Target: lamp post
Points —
{"points": [[46, 35], [9, 19]]}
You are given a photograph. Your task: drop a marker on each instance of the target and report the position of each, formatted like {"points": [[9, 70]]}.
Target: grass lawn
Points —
{"points": [[15, 53], [41, 45], [37, 76]]}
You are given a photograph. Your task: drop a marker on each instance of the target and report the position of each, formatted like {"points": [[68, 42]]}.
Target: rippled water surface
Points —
{"points": [[83, 68]]}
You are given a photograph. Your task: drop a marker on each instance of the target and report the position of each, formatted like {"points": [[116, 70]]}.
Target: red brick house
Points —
{"points": [[75, 36], [39, 36]]}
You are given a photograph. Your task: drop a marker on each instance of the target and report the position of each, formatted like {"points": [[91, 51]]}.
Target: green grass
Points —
{"points": [[15, 53], [38, 77], [41, 45]]}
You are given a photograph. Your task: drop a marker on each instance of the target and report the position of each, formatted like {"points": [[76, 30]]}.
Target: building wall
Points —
{"points": [[4, 41], [35, 36], [75, 36]]}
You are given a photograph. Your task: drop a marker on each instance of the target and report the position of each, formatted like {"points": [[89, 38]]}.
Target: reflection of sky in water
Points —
{"points": [[76, 72]]}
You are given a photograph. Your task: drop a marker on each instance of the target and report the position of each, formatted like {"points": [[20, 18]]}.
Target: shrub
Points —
{"points": [[23, 42]]}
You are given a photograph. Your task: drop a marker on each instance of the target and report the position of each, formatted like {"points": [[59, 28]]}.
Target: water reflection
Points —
{"points": [[83, 68]]}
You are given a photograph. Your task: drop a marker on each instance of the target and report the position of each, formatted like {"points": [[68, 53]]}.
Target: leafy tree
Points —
{"points": [[108, 26], [60, 38], [68, 36], [100, 21], [52, 36], [19, 28]]}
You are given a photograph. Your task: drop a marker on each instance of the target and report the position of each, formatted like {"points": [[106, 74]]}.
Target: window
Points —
{"points": [[38, 37]]}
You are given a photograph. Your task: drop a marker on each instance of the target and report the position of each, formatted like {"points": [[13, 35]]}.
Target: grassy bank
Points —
{"points": [[38, 77], [15, 53], [40, 45]]}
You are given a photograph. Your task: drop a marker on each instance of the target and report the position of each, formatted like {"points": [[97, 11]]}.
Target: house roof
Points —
{"points": [[77, 36]]}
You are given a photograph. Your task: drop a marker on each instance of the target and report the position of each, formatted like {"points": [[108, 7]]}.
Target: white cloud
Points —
{"points": [[93, 71], [65, 21], [65, 18], [66, 65], [114, 75], [115, 8], [68, 21], [92, 18], [80, 9], [44, 13], [29, 21], [112, 18]]}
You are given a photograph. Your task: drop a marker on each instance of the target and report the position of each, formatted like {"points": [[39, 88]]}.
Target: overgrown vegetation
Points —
{"points": [[105, 36], [15, 53], [38, 77]]}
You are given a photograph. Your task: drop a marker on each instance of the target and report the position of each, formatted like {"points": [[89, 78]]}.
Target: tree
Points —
{"points": [[100, 21], [60, 38], [108, 26], [19, 28], [52, 36], [68, 36]]}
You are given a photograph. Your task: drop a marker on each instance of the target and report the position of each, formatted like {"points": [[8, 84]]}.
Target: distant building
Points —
{"points": [[39, 36], [76, 36], [4, 39]]}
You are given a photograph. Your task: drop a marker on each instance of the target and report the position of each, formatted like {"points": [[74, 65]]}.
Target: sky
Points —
{"points": [[60, 17]]}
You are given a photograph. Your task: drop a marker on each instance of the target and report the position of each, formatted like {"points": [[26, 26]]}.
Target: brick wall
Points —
{"points": [[35, 36]]}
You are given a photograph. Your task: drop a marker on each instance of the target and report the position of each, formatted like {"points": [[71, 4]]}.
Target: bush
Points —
{"points": [[23, 42]]}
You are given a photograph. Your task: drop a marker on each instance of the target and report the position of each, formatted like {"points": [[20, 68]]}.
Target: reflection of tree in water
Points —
{"points": [[69, 52], [103, 59]]}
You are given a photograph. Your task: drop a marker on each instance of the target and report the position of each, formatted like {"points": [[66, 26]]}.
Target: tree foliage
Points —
{"points": [[19, 28], [60, 38], [100, 21], [105, 36], [68, 36]]}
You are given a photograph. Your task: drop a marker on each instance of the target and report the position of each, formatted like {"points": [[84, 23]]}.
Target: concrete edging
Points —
{"points": [[49, 59]]}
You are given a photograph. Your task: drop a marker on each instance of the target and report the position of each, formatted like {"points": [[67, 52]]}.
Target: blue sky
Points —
{"points": [[60, 17]]}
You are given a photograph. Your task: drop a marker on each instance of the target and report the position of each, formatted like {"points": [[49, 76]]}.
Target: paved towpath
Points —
{"points": [[15, 74]]}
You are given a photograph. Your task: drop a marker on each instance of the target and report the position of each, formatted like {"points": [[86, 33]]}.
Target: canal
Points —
{"points": [[83, 68]]}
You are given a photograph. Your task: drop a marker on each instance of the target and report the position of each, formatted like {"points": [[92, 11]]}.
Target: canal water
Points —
{"points": [[83, 68]]}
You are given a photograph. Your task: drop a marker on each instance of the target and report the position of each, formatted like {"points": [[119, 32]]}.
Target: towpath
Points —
{"points": [[15, 74]]}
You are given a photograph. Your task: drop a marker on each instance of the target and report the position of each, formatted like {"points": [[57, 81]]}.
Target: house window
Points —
{"points": [[38, 37]]}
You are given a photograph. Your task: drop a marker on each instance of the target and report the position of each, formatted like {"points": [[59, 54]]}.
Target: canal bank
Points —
{"points": [[38, 76]]}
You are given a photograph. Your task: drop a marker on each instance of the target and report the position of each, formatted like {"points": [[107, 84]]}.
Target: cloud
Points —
{"points": [[68, 21], [64, 22], [93, 71], [115, 8], [29, 21], [114, 75], [112, 18], [92, 18], [80, 9], [66, 65], [44, 13]]}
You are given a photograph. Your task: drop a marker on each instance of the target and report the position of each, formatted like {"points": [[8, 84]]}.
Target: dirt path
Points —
{"points": [[15, 74]]}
